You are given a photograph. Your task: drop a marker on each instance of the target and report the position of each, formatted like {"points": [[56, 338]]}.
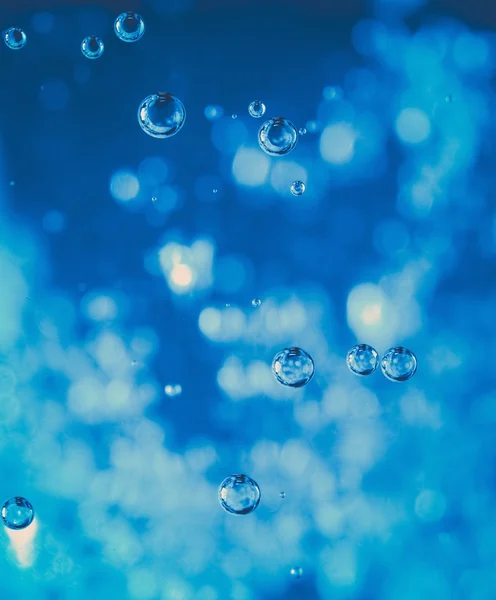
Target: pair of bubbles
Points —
{"points": [[294, 367], [128, 26]]}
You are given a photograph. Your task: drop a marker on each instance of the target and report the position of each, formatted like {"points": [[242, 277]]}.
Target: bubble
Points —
{"points": [[239, 494], [173, 390], [399, 364], [293, 367], [282, 495], [234, 116], [129, 27], [449, 99], [277, 136], [362, 359], [256, 109], [214, 191], [161, 115], [298, 188], [154, 198], [15, 38], [17, 513], [256, 302], [296, 572], [92, 46], [302, 131]]}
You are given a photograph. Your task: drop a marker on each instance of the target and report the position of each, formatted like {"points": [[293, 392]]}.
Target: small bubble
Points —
{"points": [[227, 305], [302, 131], [214, 191], [277, 137], [239, 494], [256, 302], [362, 359], [256, 109], [154, 198], [449, 99], [15, 38], [134, 363], [173, 390], [314, 126], [234, 116], [129, 27], [293, 367], [161, 115], [399, 364], [296, 572], [332, 92], [282, 495], [298, 188], [92, 47], [17, 513]]}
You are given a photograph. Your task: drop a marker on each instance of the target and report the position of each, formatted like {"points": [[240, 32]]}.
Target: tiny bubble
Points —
{"points": [[282, 495], [296, 572], [449, 98], [154, 198], [227, 305], [302, 131], [234, 116], [256, 302], [215, 191]]}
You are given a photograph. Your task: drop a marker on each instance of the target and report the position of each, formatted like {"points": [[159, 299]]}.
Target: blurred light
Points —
{"points": [[370, 313], [391, 236], [187, 268], [53, 221], [332, 92], [413, 126], [284, 173], [99, 308], [42, 22], [142, 584], [54, 95], [210, 322], [124, 186], [470, 51], [182, 275], [21, 542], [250, 167], [229, 134], [313, 126], [337, 143], [213, 112], [153, 170], [430, 505]]}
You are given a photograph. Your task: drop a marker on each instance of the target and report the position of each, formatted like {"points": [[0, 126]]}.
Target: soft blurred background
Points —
{"points": [[134, 370]]}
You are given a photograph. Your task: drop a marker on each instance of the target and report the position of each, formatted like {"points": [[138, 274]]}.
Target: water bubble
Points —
{"points": [[214, 191], [298, 188], [234, 116], [296, 572], [362, 359], [161, 115], [449, 99], [239, 494], [154, 198], [399, 364], [256, 109], [129, 27], [256, 302], [92, 46], [17, 513], [302, 131], [277, 136], [15, 38], [282, 495], [293, 367], [173, 390]]}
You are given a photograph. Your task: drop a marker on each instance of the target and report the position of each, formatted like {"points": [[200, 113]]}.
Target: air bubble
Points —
{"points": [[239, 494], [362, 359], [277, 137], [17, 513], [161, 115], [129, 27], [399, 364], [293, 367]]}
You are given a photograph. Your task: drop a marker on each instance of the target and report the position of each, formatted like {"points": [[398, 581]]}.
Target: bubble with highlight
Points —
{"points": [[399, 364], [293, 367], [15, 38], [129, 27], [161, 115], [17, 513], [362, 360], [277, 136], [239, 494]]}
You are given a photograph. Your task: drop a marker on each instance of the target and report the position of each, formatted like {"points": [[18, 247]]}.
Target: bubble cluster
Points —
{"points": [[129, 27], [256, 109], [362, 359], [15, 38], [92, 46], [239, 494], [277, 136], [399, 364], [298, 188], [17, 513], [161, 115], [293, 367]]}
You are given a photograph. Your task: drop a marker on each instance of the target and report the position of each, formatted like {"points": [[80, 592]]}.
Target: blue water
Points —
{"points": [[135, 358]]}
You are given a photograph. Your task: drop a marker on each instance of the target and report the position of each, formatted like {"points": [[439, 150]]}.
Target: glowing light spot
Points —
{"points": [[124, 186], [182, 275], [413, 126], [250, 167], [337, 143], [21, 542]]}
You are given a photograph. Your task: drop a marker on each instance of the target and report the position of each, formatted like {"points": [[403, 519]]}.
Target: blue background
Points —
{"points": [[108, 296]]}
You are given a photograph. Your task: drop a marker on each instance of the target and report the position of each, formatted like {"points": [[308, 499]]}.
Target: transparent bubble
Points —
{"points": [[214, 191], [15, 38], [293, 367], [362, 359], [449, 99], [256, 302], [277, 136], [161, 115], [256, 109], [296, 572], [399, 364], [239, 494], [92, 46], [234, 116], [154, 198], [173, 390], [298, 188], [129, 27], [17, 513], [302, 131], [282, 495]]}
